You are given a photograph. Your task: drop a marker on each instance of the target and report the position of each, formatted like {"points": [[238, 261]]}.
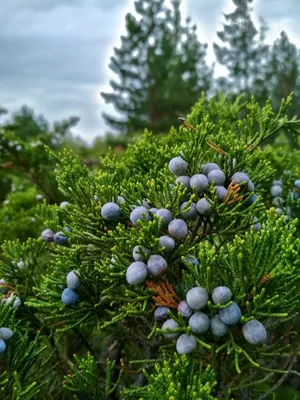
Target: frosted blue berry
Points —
{"points": [[199, 182], [69, 297], [167, 243], [240, 177], [192, 213], [216, 176], [178, 229], [217, 327], [293, 195], [3, 290], [110, 211], [161, 313], [252, 199], [297, 184], [165, 215], [39, 197], [96, 198], [157, 265], [66, 228], [120, 200], [17, 302], [64, 204], [184, 309], [184, 180], [204, 207], [170, 324], [278, 182], [139, 253], [6, 333], [47, 235], [153, 210], [178, 166], [186, 344], [139, 213], [207, 168], [197, 298], [136, 273], [73, 281], [276, 190], [279, 211], [231, 315], [251, 186], [221, 295], [143, 203], [257, 225], [221, 192], [199, 322], [255, 332], [2, 346], [60, 239], [193, 260]]}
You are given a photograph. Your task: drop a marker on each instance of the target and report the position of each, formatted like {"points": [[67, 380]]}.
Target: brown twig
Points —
{"points": [[166, 295]]}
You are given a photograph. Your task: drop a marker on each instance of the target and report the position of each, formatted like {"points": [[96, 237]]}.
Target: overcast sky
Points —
{"points": [[55, 53]]}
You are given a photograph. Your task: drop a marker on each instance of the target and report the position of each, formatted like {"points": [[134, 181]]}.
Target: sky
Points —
{"points": [[55, 53]]}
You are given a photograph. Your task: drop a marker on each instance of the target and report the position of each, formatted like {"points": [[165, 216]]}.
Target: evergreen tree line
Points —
{"points": [[162, 70]]}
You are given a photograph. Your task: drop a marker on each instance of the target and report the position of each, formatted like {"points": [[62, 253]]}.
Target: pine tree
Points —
{"points": [[161, 69], [243, 51]]}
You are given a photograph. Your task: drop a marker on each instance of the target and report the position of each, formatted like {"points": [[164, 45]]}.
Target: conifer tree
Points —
{"points": [[161, 69]]}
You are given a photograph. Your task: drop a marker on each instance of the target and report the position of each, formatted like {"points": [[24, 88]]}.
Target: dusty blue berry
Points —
{"points": [[221, 295], [221, 192], [3, 290], [139, 213], [231, 315], [199, 322], [64, 204], [277, 182], [167, 243], [48, 235], [6, 333], [60, 239], [192, 213], [69, 297], [199, 182], [96, 198], [278, 201], [257, 225], [240, 177], [276, 190], [184, 180], [110, 211], [139, 253], [297, 184], [255, 332], [157, 265], [165, 215], [17, 302], [216, 176], [197, 298], [217, 327], [251, 186], [178, 229], [136, 273], [73, 281], [186, 344], [207, 168], [178, 166], [252, 199], [153, 210], [170, 324], [66, 228], [161, 313], [2, 346], [120, 200], [204, 207], [193, 260], [184, 309]]}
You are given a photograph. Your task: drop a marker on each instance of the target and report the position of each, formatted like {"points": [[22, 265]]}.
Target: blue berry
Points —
{"points": [[120, 200], [136, 273], [47, 235], [254, 332], [178, 166], [217, 327], [170, 324], [139, 213], [252, 199], [139, 253], [66, 228], [240, 177], [6, 333], [186, 344], [251, 186], [184, 180], [193, 260], [17, 302], [178, 229], [221, 192], [153, 210], [278, 182], [199, 322], [157, 265], [221, 295], [257, 225], [161, 313], [279, 211], [2, 346], [60, 239], [276, 190], [230, 315], [73, 281], [3, 290], [207, 168], [197, 298], [192, 213], [69, 297], [64, 204], [165, 215], [96, 198], [167, 243], [199, 182], [110, 211], [184, 309], [216, 176], [204, 207], [297, 184]]}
